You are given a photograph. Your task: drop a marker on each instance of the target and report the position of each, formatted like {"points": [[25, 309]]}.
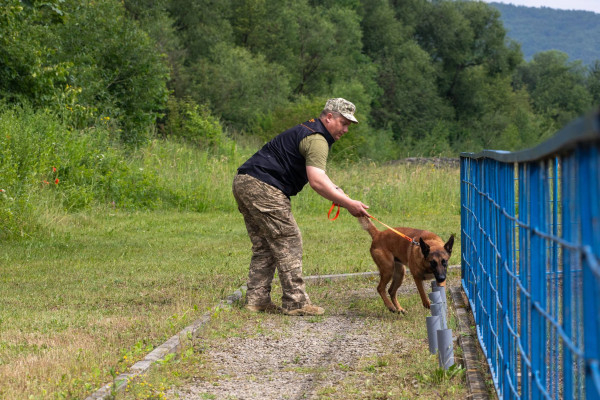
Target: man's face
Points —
{"points": [[337, 126]]}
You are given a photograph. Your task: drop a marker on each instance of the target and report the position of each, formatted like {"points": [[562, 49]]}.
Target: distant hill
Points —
{"points": [[576, 33]]}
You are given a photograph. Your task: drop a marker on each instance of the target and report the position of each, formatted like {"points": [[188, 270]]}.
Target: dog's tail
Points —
{"points": [[368, 226]]}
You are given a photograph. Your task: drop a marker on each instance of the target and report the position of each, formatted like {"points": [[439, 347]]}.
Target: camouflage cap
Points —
{"points": [[342, 106]]}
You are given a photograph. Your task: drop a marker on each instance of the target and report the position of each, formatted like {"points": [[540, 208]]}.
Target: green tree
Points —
{"points": [[327, 48], [410, 104], [238, 85], [27, 73], [154, 18], [201, 25], [382, 31], [317, 46], [116, 67], [461, 36], [593, 82], [556, 86]]}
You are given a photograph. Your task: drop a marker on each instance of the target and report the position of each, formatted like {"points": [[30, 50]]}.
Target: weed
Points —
{"points": [[441, 375], [343, 367], [316, 319]]}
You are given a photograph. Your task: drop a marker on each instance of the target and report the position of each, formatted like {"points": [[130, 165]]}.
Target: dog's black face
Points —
{"points": [[439, 269], [438, 260]]}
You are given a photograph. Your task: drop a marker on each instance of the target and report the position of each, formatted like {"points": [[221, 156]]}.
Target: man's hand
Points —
{"points": [[356, 208]]}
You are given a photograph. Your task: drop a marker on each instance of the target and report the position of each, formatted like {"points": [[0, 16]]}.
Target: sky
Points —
{"points": [[586, 5]]}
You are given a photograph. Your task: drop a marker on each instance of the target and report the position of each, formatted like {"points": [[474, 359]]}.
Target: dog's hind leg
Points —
{"points": [[385, 263], [399, 272]]}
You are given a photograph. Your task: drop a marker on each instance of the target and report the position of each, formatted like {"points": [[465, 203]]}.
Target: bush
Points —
{"points": [[239, 85], [48, 168], [87, 63], [285, 116], [195, 124], [26, 71], [43, 163]]}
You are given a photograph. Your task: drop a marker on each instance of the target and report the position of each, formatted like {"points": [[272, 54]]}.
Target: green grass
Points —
{"points": [[96, 290]]}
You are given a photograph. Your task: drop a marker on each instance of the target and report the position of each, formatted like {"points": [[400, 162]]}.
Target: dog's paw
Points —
{"points": [[427, 305]]}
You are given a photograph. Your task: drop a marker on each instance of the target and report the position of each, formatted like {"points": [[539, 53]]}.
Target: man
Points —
{"points": [[262, 189]]}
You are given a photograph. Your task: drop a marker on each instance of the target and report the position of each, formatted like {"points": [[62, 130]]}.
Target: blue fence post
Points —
{"points": [[479, 290], [568, 185], [523, 278], [589, 190], [487, 276], [463, 214], [505, 203], [555, 356], [539, 259]]}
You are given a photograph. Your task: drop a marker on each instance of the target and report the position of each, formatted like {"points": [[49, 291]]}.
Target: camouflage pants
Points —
{"points": [[276, 242]]}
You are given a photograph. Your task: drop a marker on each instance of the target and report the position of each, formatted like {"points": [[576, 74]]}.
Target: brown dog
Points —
{"points": [[391, 252]]}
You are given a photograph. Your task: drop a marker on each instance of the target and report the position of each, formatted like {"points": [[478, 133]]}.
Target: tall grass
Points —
{"points": [[400, 189], [47, 167], [190, 179]]}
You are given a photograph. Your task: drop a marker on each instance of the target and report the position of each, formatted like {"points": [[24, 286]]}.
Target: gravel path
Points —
{"points": [[291, 357], [293, 365]]}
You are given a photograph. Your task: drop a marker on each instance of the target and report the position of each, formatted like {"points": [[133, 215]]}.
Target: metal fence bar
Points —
{"points": [[524, 305], [590, 237], [530, 256], [568, 305]]}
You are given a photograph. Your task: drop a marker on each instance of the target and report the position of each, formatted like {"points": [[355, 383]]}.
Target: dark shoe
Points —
{"points": [[309, 309], [269, 308]]}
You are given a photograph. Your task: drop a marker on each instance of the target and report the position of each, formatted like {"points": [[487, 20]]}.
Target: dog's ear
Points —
{"points": [[424, 247], [449, 244]]}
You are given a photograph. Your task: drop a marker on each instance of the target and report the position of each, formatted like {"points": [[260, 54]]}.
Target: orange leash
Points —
{"points": [[395, 231], [336, 214], [402, 235]]}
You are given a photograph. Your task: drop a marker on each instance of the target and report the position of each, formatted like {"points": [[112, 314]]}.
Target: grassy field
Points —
{"points": [[103, 287]]}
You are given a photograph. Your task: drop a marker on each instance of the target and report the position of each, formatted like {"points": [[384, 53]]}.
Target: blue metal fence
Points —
{"points": [[530, 263]]}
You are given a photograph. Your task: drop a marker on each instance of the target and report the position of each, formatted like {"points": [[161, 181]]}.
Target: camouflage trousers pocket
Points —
{"points": [[265, 206]]}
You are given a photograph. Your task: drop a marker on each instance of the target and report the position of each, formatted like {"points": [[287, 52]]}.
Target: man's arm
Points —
{"points": [[320, 182]]}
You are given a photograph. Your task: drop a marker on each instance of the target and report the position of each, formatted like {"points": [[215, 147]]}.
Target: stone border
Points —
{"points": [[174, 343], [170, 346], [470, 346]]}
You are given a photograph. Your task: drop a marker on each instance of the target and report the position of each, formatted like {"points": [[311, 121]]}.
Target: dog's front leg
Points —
{"points": [[424, 299]]}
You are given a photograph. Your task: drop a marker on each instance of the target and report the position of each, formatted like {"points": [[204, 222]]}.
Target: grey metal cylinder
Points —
{"points": [[442, 291], [433, 325], [437, 309], [433, 284], [435, 297], [445, 348]]}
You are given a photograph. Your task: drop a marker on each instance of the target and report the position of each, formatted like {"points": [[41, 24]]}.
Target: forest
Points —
{"points": [[574, 32], [428, 77]]}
